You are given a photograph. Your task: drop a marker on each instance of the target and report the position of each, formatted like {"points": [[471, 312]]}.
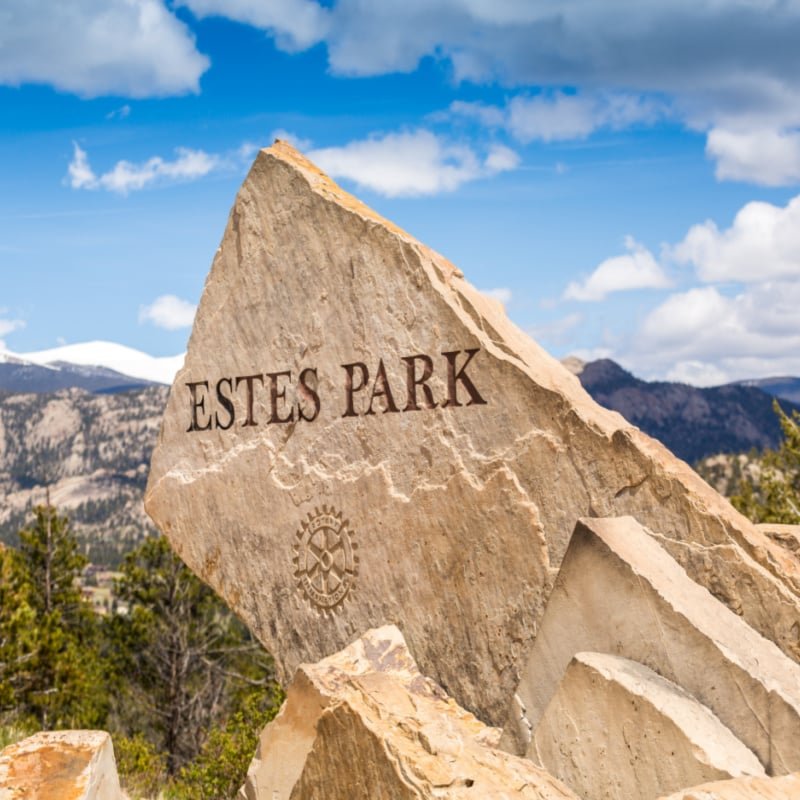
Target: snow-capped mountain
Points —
{"points": [[97, 366]]}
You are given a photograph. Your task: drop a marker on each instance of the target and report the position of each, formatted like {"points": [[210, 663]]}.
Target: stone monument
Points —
{"points": [[359, 437]]}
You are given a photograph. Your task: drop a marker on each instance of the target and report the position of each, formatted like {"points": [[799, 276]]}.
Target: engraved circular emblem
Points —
{"points": [[325, 561]]}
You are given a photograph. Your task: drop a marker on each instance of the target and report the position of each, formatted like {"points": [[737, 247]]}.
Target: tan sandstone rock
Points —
{"points": [[786, 787], [620, 592], [365, 724], [60, 765], [615, 730], [359, 436], [788, 536]]}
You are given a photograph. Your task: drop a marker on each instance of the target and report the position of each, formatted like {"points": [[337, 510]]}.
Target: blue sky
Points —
{"points": [[622, 174]]}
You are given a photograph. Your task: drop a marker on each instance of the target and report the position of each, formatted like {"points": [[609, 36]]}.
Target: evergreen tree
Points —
{"points": [[185, 657], [18, 635], [51, 633], [775, 497]]}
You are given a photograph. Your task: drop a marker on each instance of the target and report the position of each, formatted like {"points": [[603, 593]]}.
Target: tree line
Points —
{"points": [[176, 679]]}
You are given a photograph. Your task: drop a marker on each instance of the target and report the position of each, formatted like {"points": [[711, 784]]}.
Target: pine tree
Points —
{"points": [[183, 654], [61, 684], [18, 635], [776, 495]]}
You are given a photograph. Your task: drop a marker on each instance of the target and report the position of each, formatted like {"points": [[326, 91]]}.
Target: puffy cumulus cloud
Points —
{"points": [[501, 293], [296, 141], [125, 177], [765, 156], [296, 24], [134, 48], [636, 269], [705, 337], [558, 332], [552, 116], [762, 243], [738, 67], [556, 116], [168, 312], [8, 326], [411, 163], [735, 57]]}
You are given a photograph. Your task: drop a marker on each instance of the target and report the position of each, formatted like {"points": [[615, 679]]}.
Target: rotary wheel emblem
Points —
{"points": [[325, 561]]}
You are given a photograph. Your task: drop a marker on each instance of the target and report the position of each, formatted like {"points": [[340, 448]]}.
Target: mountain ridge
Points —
{"points": [[691, 421]]}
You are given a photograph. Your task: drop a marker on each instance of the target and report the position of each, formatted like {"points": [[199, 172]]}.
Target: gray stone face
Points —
{"points": [[359, 437]]}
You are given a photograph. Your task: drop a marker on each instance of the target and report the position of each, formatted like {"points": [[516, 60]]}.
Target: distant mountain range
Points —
{"points": [[693, 422], [92, 451], [87, 431], [95, 366]]}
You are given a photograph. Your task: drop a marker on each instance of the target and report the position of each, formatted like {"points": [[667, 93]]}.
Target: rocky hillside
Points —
{"points": [[693, 423], [92, 451]]}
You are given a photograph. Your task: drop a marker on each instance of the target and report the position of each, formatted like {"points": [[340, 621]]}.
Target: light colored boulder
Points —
{"points": [[615, 730], [786, 787], [787, 536], [365, 724], [60, 765], [358, 435], [620, 592]]}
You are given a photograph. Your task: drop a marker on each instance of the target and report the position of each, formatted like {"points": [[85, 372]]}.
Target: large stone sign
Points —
{"points": [[359, 437]]}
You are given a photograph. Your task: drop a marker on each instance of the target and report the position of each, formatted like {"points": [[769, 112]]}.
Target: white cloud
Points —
{"points": [[637, 269], [762, 243], [737, 60], [551, 118], [298, 142], [123, 112], [410, 163], [168, 312], [126, 177], [134, 48], [763, 156], [706, 337], [296, 24], [79, 172], [486, 115], [9, 326], [557, 116], [501, 293], [737, 70], [501, 159], [557, 332]]}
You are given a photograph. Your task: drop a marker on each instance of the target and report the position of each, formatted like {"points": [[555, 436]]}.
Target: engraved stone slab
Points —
{"points": [[620, 592], [365, 723], [615, 730], [340, 370]]}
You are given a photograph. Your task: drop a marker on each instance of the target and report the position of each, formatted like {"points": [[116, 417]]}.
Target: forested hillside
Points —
{"points": [[92, 451]]}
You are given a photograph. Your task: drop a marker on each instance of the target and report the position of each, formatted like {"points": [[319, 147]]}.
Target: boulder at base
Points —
{"points": [[620, 592], [364, 723], [786, 787], [615, 730], [359, 436], [60, 765]]}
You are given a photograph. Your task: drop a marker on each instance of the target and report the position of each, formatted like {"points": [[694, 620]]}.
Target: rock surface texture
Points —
{"points": [[620, 592], [614, 730], [365, 724], [786, 787], [60, 765], [359, 436]]}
